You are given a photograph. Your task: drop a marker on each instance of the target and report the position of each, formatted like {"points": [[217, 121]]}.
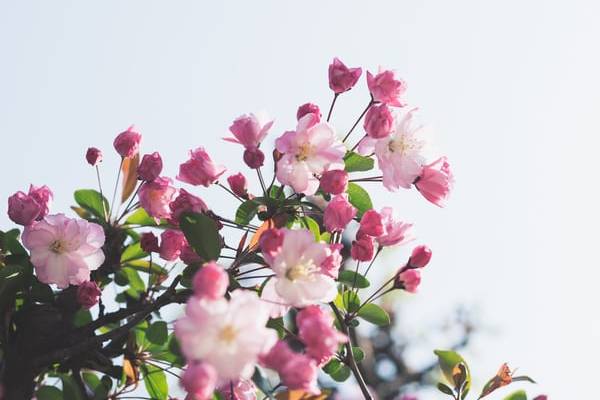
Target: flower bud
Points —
{"points": [[93, 156], [199, 380], [149, 242], [334, 181], [371, 223], [308, 108], [436, 181], [211, 281], [379, 121], [420, 257], [270, 243], [185, 202], [385, 88], [237, 184], [43, 196], [362, 249], [254, 158], [23, 209], [171, 244], [409, 280], [338, 214], [127, 143], [200, 169], [88, 294], [150, 167], [342, 78]]}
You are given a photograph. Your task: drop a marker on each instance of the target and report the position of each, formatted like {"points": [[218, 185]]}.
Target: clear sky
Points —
{"points": [[510, 89]]}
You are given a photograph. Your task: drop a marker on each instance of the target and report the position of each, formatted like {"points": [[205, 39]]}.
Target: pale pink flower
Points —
{"points": [[43, 196], [400, 154], [171, 243], [200, 169], [199, 380], [297, 266], [185, 202], [420, 257], [338, 214], [211, 281], [334, 181], [150, 167], [297, 371], [88, 294], [307, 151], [308, 108], [395, 231], [409, 280], [127, 143], [64, 250], [379, 121], [93, 156], [249, 130], [270, 243], [342, 78], [243, 389], [278, 306], [386, 88], [436, 181], [316, 331], [277, 356], [155, 197], [229, 335]]}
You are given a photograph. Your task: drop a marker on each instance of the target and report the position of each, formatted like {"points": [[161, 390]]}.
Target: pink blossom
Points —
{"points": [[155, 197], [171, 244], [149, 242], [150, 167], [342, 78], [395, 231], [200, 169], [185, 202], [243, 389], [127, 143], [64, 250], [541, 397], [254, 158], [270, 243], [371, 223], [199, 380], [409, 280], [362, 248], [300, 373], [297, 266], [211, 281], [23, 209], [379, 121], [43, 196], [334, 181], [308, 108], [88, 294], [420, 257], [308, 151], [338, 214], [436, 181], [316, 331], [93, 156], [386, 88], [249, 130], [229, 335], [188, 256], [238, 185], [277, 356], [400, 154], [331, 265]]}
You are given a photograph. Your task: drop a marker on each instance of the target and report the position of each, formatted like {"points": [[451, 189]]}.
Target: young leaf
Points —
{"points": [[348, 301], [246, 212], [341, 374], [355, 162], [129, 169], [518, 395], [155, 382], [133, 252], [374, 314], [91, 201], [332, 366], [350, 278], [448, 360], [157, 333], [70, 388], [445, 389], [201, 233], [48, 393], [359, 198], [359, 355], [140, 217], [313, 226]]}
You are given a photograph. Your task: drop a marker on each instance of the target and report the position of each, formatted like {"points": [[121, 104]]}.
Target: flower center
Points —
{"points": [[228, 334], [402, 144], [300, 270], [58, 247], [304, 152]]}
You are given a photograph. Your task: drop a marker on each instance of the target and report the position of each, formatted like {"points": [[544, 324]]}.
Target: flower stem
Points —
{"points": [[335, 96], [371, 102], [112, 203], [101, 195]]}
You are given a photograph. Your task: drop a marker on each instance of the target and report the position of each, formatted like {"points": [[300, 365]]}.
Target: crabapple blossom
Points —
{"points": [[238, 185], [23, 209], [308, 108], [127, 143], [297, 371], [254, 157], [371, 223], [64, 250], [379, 121], [250, 130], [243, 389], [342, 78], [171, 244], [331, 265], [149, 242], [309, 150], [409, 280], [93, 156], [88, 294], [150, 167], [362, 248], [229, 335], [420, 257], [156, 196], [316, 331], [436, 181], [200, 169], [338, 214], [199, 380], [385, 87], [211, 281], [334, 181], [43, 196], [395, 231], [185, 202], [270, 243], [188, 256]]}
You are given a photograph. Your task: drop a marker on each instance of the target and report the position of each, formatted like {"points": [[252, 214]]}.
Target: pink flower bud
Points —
{"points": [[238, 185], [185, 202], [338, 214], [200, 169], [88, 294], [362, 249], [43, 196], [254, 158], [270, 243], [385, 88], [171, 244], [199, 380], [436, 181], [308, 108], [316, 331], [149, 242], [211, 281], [155, 197], [300, 373], [334, 181], [409, 280], [150, 167], [23, 209], [249, 130], [331, 265], [371, 223], [420, 257], [379, 121], [277, 357], [93, 156], [189, 256], [127, 143], [342, 78]]}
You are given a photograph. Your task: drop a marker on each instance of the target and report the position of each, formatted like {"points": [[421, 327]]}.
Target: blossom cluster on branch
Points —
{"points": [[266, 308]]}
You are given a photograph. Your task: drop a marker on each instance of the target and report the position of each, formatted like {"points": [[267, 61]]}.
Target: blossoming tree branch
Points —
{"points": [[272, 293]]}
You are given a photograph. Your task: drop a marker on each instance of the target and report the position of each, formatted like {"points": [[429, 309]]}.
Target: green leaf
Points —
{"points": [[140, 217], [133, 277], [100, 388], [201, 233], [157, 333], [341, 374], [350, 278], [355, 162], [278, 325], [10, 242], [359, 198], [332, 366], [155, 382], [518, 395], [374, 314], [246, 212], [70, 389], [82, 317], [92, 200], [445, 389], [133, 252], [41, 292], [13, 278], [348, 301], [313, 226], [359, 355], [448, 360], [145, 266], [262, 383], [274, 192], [48, 393]]}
